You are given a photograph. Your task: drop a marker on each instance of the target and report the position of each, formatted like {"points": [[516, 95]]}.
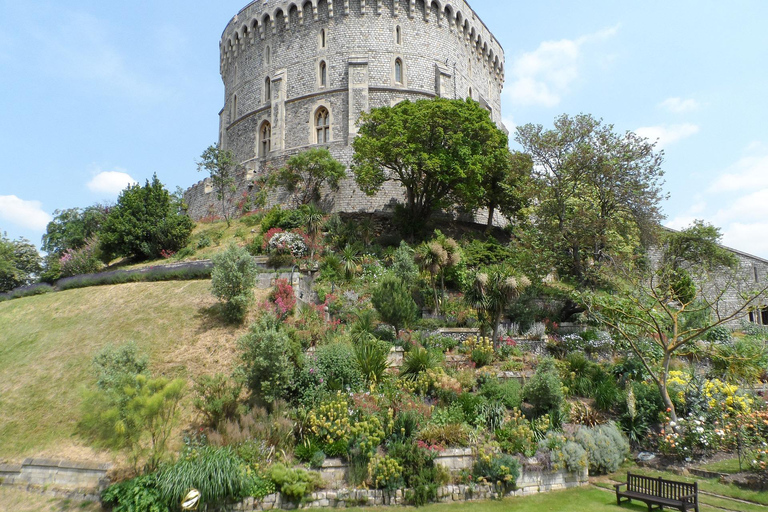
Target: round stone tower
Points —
{"points": [[298, 73]]}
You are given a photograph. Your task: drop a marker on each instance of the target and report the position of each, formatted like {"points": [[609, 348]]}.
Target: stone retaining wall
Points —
{"points": [[74, 480], [531, 482]]}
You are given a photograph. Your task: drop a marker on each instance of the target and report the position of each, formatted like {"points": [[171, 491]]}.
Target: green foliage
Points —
{"points": [[393, 301], [139, 494], [19, 263], [544, 391], [448, 434], [419, 472], [490, 416], [506, 392], [306, 172], [294, 484], [403, 264], [564, 453], [606, 447], [117, 367], [232, 280], [436, 149], [144, 223], [597, 192], [266, 360], [719, 334], [138, 417], [385, 473], [517, 436], [217, 473], [221, 166], [188, 271], [419, 360], [72, 228], [405, 426], [216, 398], [335, 364], [276, 217], [742, 360], [371, 357]]}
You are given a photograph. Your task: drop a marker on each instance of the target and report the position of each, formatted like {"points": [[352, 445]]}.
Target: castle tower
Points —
{"points": [[298, 73]]}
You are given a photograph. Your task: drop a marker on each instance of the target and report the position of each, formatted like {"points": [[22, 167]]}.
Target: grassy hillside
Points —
{"points": [[47, 344]]}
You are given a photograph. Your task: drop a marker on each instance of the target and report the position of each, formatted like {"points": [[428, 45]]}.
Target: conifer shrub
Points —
{"points": [[217, 398], [267, 355], [544, 391], [606, 447]]}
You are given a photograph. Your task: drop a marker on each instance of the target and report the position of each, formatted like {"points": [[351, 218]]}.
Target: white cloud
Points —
{"points": [[680, 105], [543, 76], [747, 237], [509, 124], [664, 135], [748, 173], [26, 214], [110, 182]]}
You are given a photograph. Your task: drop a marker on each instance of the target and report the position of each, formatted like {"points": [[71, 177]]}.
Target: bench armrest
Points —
{"points": [[683, 498], [619, 485]]}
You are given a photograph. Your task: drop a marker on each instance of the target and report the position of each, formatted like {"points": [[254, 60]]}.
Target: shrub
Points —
{"points": [[330, 423], [564, 453], [118, 366], [405, 426], [449, 434], [371, 356], [27, 291], [179, 272], [490, 416], [500, 470], [283, 219], [718, 334], [544, 391], [266, 356], [84, 260], [217, 398], [294, 483], [385, 473], [139, 494], [419, 360], [605, 446], [232, 280], [419, 472], [217, 473], [335, 364], [283, 297], [517, 436], [507, 392]]}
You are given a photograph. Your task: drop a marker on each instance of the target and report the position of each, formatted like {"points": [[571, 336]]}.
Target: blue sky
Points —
{"points": [[94, 94]]}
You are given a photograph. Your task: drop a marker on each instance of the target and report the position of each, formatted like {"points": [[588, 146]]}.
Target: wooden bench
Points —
{"points": [[658, 491]]}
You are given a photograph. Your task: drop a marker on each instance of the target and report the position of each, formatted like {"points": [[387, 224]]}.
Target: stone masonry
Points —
{"points": [[298, 73]]}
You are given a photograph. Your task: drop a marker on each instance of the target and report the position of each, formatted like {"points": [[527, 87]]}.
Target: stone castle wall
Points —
{"points": [[272, 53]]}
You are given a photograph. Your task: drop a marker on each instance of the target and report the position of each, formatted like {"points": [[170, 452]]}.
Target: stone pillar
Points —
{"points": [[358, 92], [278, 110]]}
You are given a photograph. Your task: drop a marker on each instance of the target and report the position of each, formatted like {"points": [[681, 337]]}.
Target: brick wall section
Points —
{"points": [[76, 480], [445, 49]]}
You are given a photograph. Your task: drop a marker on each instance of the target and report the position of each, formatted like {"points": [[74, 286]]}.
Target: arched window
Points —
{"points": [[470, 93], [398, 71], [322, 126], [322, 38], [233, 114], [265, 138], [268, 55], [267, 89], [398, 35], [323, 74]]}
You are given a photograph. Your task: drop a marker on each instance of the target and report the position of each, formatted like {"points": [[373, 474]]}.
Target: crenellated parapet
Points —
{"points": [[261, 17]]}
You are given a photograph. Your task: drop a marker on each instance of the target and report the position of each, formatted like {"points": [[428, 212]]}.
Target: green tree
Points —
{"points": [[667, 302], [305, 173], [597, 192], [435, 257], [144, 223], [232, 280], [393, 301], [437, 150], [266, 360], [221, 166], [72, 228], [20, 263], [506, 188], [492, 293]]}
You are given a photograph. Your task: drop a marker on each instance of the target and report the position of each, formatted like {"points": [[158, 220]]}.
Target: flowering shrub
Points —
{"points": [[81, 261], [367, 434], [283, 298], [482, 351], [589, 342], [517, 436], [691, 436], [498, 469], [330, 422], [283, 242], [385, 473]]}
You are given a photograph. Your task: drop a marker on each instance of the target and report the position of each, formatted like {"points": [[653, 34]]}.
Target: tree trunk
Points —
{"points": [[491, 210], [496, 321], [663, 389]]}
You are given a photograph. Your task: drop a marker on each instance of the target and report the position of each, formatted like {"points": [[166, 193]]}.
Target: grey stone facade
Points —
{"points": [[286, 62]]}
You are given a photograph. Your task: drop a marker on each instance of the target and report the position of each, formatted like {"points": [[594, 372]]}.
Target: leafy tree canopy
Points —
{"points": [[306, 172], [437, 150], [221, 166], [71, 228], [20, 263], [145, 223], [597, 191]]}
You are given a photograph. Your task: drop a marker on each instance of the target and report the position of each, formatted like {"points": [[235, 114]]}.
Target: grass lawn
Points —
{"points": [[583, 499], [725, 466], [21, 501], [47, 343]]}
